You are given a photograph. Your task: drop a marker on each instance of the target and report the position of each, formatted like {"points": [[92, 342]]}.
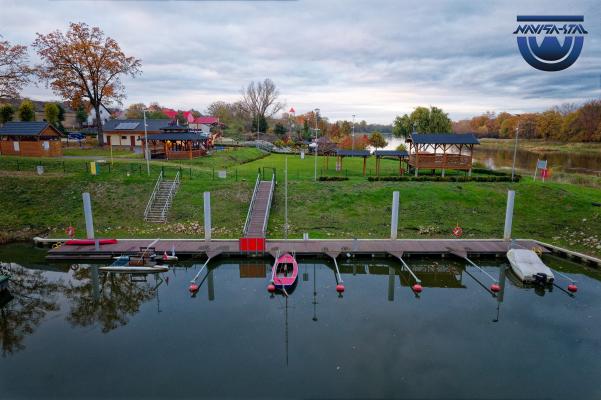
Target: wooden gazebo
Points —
{"points": [[177, 143], [340, 154], [401, 155], [441, 151]]}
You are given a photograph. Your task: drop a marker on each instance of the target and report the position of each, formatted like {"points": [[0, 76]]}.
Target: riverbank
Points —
{"points": [[560, 214], [542, 146]]}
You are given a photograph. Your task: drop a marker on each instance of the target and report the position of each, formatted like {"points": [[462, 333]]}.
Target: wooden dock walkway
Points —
{"points": [[314, 247], [258, 212]]}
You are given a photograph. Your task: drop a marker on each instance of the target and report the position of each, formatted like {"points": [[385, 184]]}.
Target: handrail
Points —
{"points": [[268, 209], [170, 196], [153, 195], [252, 203]]}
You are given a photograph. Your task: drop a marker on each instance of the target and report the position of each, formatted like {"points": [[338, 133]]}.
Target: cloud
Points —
{"points": [[373, 59]]}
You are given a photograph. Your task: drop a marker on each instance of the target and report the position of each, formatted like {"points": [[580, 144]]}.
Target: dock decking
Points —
{"points": [[313, 247]]}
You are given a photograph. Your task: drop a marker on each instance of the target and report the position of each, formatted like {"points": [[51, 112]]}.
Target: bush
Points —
{"points": [[333, 178]]}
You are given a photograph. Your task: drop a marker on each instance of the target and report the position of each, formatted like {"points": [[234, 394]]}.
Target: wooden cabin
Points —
{"points": [[130, 132], [178, 143], [441, 151], [30, 139]]}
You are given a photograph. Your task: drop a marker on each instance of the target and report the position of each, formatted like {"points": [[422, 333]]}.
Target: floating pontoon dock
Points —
{"points": [[193, 248]]}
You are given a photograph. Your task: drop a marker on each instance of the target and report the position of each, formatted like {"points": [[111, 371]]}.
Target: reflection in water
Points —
{"points": [[33, 296], [108, 300]]}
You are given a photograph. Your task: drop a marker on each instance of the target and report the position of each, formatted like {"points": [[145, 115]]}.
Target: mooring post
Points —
{"points": [[87, 211], [395, 215], [509, 214], [207, 206]]}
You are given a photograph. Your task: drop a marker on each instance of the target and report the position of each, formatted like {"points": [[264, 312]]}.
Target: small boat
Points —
{"points": [[167, 257], [529, 268], [284, 272], [133, 264], [89, 242]]}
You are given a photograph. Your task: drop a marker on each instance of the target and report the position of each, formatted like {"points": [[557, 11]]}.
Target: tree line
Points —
{"points": [[564, 123]]}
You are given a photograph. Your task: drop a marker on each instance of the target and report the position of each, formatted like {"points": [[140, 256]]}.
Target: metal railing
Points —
{"points": [[172, 190], [268, 207], [252, 204], [153, 195]]}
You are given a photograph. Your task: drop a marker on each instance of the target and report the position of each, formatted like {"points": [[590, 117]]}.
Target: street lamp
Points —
{"points": [[353, 132], [146, 155], [316, 113], [515, 147]]}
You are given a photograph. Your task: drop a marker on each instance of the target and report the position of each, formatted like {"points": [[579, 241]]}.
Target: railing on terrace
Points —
{"points": [[268, 204], [440, 161]]}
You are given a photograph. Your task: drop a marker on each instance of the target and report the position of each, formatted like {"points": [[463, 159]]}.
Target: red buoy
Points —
{"points": [[572, 288], [340, 288], [193, 288], [417, 288], [495, 288], [271, 288]]}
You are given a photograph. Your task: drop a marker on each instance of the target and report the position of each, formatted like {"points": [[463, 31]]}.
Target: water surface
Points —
{"points": [[73, 332]]}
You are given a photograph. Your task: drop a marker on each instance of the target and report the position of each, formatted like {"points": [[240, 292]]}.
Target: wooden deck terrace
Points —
{"points": [[196, 248]]}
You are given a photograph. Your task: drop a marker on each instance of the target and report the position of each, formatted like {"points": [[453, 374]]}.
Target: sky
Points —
{"points": [[374, 59]]}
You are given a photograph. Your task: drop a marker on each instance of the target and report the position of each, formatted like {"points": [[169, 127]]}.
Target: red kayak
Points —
{"points": [[89, 242], [284, 272]]}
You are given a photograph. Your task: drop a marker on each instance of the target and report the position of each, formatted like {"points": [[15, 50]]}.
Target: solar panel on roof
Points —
{"points": [[127, 125]]}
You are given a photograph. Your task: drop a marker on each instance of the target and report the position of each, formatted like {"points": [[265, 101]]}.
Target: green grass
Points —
{"points": [[561, 214], [98, 152]]}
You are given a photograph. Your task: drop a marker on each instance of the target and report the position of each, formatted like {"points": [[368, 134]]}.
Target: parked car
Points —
{"points": [[76, 136]]}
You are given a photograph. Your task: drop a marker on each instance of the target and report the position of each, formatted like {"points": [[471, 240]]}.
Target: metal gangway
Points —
{"points": [[260, 205]]}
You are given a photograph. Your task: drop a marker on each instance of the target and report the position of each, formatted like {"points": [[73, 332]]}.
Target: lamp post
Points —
{"points": [[316, 113], [515, 148], [353, 134], [146, 156]]}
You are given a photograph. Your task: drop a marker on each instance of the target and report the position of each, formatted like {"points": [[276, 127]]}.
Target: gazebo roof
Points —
{"points": [[352, 153], [443, 138], [176, 136], [390, 153]]}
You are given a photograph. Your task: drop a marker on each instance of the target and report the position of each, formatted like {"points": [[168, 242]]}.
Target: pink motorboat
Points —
{"points": [[285, 272]]}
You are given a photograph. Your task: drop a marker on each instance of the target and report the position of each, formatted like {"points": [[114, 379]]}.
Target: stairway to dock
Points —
{"points": [[161, 199], [258, 211]]}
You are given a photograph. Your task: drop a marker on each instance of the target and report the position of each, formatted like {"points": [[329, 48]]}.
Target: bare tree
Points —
{"points": [[14, 71], [260, 98]]}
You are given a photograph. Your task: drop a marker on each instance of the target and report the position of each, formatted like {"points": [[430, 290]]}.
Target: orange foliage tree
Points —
{"points": [[14, 71], [84, 64]]}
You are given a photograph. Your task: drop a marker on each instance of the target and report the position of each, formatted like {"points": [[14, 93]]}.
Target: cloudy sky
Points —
{"points": [[375, 59]]}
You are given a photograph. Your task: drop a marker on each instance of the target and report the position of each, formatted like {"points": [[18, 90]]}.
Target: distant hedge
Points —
{"points": [[333, 178], [427, 178]]}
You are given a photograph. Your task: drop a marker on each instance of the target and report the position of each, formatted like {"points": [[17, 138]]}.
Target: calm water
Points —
{"points": [[74, 334], [589, 163]]}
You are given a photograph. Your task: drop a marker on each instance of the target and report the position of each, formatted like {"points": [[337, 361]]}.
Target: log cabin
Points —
{"points": [[30, 139]]}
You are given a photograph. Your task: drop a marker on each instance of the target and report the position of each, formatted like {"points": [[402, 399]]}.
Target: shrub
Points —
{"points": [[333, 178]]}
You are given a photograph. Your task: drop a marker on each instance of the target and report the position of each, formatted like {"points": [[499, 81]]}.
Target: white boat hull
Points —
{"points": [[136, 270], [528, 266]]}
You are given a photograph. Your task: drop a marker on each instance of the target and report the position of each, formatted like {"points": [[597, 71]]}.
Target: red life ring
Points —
{"points": [[70, 231], [457, 231]]}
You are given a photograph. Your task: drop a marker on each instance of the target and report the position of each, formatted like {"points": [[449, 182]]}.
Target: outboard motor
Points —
{"points": [[542, 279]]}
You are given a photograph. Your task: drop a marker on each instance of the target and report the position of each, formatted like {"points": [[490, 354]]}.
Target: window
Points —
{"points": [[138, 138], [123, 137]]}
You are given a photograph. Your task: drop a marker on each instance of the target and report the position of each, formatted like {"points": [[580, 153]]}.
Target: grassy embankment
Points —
{"points": [[562, 214], [542, 146]]}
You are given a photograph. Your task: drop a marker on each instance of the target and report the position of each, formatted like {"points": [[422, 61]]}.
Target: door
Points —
{"points": [[108, 140], [132, 140]]}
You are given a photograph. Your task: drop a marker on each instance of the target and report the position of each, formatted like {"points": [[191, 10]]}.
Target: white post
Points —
{"points": [[395, 215], [207, 206], [509, 214], [87, 212], [146, 152]]}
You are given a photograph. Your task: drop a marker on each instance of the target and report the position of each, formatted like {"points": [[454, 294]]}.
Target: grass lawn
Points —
{"points": [[562, 214], [98, 152]]}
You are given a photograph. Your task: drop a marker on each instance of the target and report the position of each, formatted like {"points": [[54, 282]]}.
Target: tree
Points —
{"points": [[51, 112], [135, 111], [401, 147], [262, 124], [26, 111], [84, 64], [279, 129], [548, 125], [402, 126], [439, 121], [376, 140], [81, 116], [260, 99], [14, 71], [6, 113]]}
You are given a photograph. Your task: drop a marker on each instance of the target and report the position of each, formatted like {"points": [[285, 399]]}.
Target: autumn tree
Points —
{"points": [[376, 140], [51, 112], [6, 113], [548, 125], [135, 111], [83, 63], [261, 99], [26, 111], [81, 116], [14, 70]]}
